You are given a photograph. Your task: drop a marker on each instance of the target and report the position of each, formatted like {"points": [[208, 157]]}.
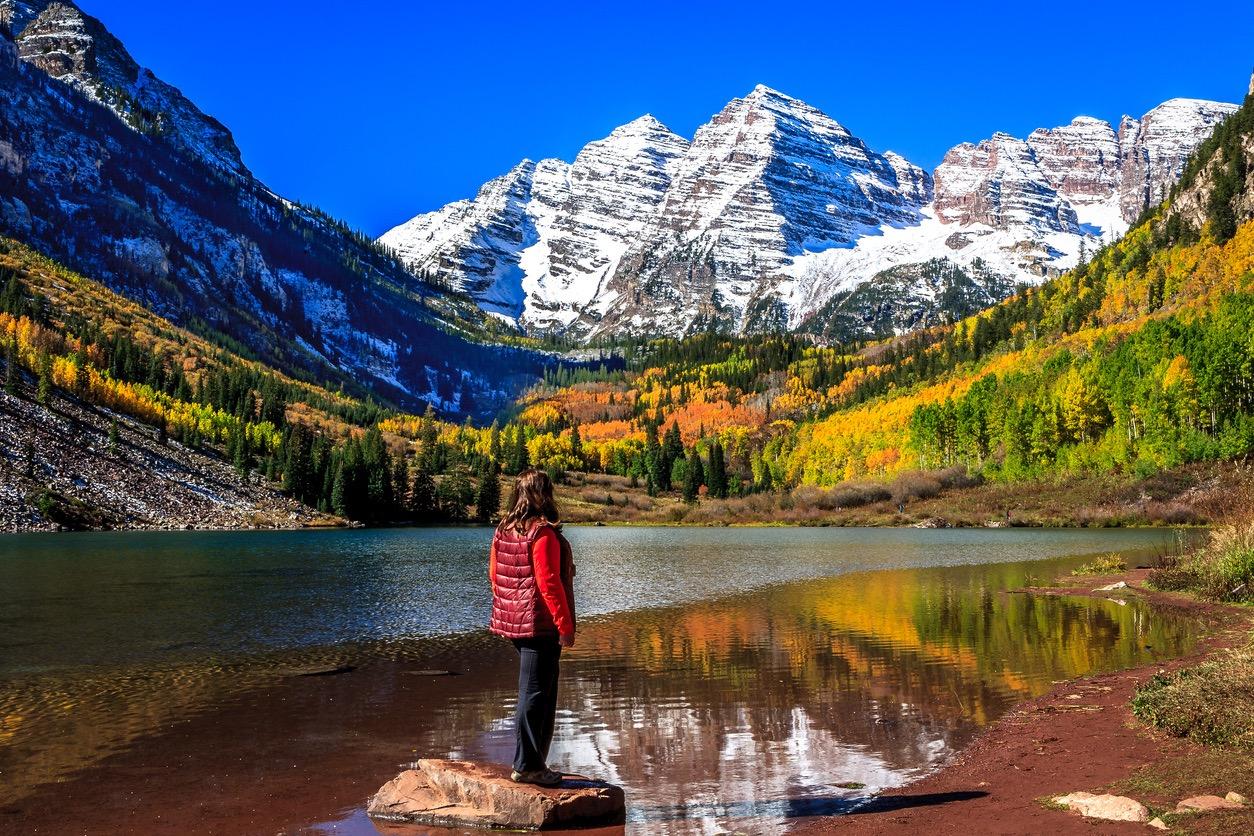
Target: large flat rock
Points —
{"points": [[465, 793]]}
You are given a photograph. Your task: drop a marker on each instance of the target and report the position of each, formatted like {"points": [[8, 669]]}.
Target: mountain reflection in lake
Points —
{"points": [[737, 713]]}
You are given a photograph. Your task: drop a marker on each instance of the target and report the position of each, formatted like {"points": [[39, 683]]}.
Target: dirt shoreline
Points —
{"points": [[1081, 736]]}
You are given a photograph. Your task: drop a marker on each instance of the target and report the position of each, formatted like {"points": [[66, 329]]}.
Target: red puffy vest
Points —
{"points": [[518, 608]]}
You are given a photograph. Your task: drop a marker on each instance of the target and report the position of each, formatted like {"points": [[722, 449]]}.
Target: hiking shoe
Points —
{"points": [[540, 777]]}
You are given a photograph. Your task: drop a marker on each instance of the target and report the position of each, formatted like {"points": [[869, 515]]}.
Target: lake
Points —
{"points": [[729, 678]]}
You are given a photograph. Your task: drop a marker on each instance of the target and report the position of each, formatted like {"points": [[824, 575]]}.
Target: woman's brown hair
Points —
{"points": [[532, 500]]}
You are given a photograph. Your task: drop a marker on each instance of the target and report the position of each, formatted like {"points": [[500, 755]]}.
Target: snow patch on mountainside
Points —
{"points": [[818, 276]]}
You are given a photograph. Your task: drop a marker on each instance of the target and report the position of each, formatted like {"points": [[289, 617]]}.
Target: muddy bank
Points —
{"points": [[1081, 736]]}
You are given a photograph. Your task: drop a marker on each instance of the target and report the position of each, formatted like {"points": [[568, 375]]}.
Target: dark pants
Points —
{"points": [[537, 701]]}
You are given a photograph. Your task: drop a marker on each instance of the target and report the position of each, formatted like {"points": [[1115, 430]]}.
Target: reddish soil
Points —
{"points": [[1080, 736]]}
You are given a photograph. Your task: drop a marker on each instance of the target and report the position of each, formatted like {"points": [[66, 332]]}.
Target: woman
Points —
{"points": [[533, 604]]}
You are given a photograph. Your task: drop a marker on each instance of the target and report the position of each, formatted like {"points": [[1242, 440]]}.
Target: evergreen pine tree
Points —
{"points": [[339, 500], [428, 440], [297, 467], [455, 493], [673, 444], [521, 459], [494, 441], [717, 472], [576, 444], [114, 437], [488, 501], [400, 486], [423, 500], [243, 458], [694, 478], [82, 377]]}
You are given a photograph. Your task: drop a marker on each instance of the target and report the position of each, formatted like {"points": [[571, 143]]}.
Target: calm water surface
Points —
{"points": [[729, 679]]}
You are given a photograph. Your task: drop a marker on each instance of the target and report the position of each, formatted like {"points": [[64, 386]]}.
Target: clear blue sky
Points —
{"points": [[378, 111]]}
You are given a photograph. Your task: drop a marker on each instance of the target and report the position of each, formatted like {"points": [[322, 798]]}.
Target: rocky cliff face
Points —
{"points": [[75, 48], [775, 210], [999, 183], [114, 173], [1155, 148], [1080, 161]]}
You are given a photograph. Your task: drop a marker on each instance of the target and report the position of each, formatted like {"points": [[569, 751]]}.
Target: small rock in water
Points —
{"points": [[463, 793], [1112, 587], [1108, 807], [1204, 803], [323, 671]]}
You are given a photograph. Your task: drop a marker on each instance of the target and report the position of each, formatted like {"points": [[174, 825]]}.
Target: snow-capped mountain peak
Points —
{"points": [[536, 243], [775, 209]]}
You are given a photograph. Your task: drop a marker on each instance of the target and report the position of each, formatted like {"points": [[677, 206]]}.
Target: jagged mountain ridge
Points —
{"points": [[115, 173], [775, 210]]}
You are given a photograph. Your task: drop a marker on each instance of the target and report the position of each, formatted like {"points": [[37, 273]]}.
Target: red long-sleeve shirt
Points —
{"points": [[546, 562]]}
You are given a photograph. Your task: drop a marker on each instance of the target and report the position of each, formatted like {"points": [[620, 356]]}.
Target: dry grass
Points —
{"points": [[1220, 570]]}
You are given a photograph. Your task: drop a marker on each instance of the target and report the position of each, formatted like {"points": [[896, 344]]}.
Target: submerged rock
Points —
{"points": [[464, 793], [1108, 807]]}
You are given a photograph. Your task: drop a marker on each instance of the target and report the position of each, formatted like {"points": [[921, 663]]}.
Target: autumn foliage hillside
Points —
{"points": [[1139, 360]]}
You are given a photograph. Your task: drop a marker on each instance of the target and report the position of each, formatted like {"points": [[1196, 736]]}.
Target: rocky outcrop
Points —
{"points": [[1220, 180], [461, 793], [905, 298], [1207, 803], [15, 14]]}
